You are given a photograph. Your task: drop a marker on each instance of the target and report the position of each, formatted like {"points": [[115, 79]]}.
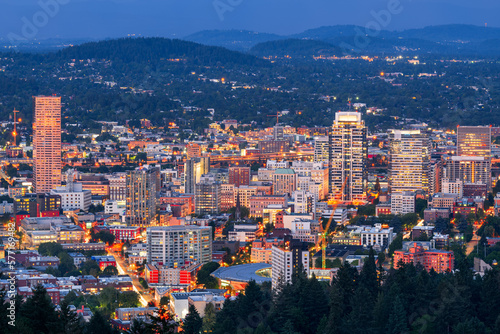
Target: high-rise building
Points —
{"points": [[46, 143], [287, 260], [469, 169], [278, 132], [118, 187], [208, 196], [473, 161], [474, 141], [173, 246], [141, 196], [348, 154], [193, 170], [284, 181], [239, 175], [409, 161], [321, 148]]}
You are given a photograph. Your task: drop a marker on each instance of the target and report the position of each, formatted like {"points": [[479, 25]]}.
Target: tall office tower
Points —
{"points": [[193, 170], [141, 196], [348, 154], [46, 143], [469, 169], [278, 132], [409, 161], [287, 260], [321, 149], [436, 176], [207, 199], [474, 141], [174, 245], [239, 175]]}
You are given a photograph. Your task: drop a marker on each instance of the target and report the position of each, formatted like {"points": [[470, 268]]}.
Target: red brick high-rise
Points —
{"points": [[239, 175]]}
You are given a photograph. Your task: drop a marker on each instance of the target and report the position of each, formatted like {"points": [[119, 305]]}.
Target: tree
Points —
{"points": [[39, 312], [209, 319], [50, 249], [110, 271], [163, 323], [98, 325], [397, 320], [91, 267], [192, 323], [203, 275], [69, 321]]}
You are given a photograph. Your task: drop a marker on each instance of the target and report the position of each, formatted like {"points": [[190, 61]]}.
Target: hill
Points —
{"points": [[239, 40], [295, 48], [154, 51]]}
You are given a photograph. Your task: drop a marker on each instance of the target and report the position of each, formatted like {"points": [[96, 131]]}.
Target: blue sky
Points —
{"points": [[178, 18]]}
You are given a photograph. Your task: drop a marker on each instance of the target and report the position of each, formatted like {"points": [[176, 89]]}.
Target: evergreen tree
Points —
{"points": [[39, 312], [192, 323], [208, 323], [163, 323], [138, 326], [397, 320], [69, 321], [368, 277], [98, 325]]}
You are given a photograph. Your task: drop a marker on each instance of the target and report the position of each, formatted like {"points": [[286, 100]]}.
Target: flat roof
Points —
{"points": [[243, 273]]}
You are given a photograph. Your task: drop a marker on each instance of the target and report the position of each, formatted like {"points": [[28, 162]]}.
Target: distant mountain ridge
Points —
{"points": [[447, 39]]}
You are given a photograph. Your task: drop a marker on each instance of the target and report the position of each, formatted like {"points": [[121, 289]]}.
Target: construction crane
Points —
{"points": [[278, 115], [323, 236]]}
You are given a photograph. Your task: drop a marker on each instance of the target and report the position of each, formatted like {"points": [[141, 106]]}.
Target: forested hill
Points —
{"points": [[295, 47], [155, 50]]}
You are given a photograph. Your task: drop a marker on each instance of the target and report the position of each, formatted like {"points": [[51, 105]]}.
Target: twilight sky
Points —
{"points": [[178, 18]]}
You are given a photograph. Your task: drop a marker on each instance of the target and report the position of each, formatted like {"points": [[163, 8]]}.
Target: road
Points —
{"points": [[144, 297], [472, 244]]}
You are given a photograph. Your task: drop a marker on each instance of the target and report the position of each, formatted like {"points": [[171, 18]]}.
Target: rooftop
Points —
{"points": [[243, 273]]}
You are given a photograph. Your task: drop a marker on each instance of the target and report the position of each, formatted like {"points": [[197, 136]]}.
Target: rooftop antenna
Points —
{"points": [[349, 102]]}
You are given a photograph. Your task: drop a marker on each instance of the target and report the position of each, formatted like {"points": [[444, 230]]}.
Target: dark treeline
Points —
{"points": [[407, 300]]}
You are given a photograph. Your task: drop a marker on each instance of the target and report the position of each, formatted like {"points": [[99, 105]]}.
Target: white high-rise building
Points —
{"points": [[402, 202], [287, 259], [348, 154], [174, 245]]}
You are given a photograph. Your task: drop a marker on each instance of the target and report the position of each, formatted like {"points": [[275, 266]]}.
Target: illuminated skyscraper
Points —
{"points": [[348, 153], [141, 196], [46, 143], [409, 161], [474, 141]]}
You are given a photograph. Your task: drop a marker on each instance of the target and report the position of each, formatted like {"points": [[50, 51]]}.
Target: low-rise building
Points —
{"points": [[438, 260]]}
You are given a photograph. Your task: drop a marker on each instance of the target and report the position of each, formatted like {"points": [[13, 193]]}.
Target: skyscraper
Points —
{"points": [[348, 153], [321, 145], [207, 195], [239, 175], [474, 141], [287, 260], [409, 161], [473, 161], [194, 168], [46, 143], [174, 245], [141, 196]]}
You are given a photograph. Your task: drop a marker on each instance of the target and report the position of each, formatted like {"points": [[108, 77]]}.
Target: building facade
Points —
{"points": [[409, 161], [348, 154], [174, 245], [141, 196], [46, 143]]}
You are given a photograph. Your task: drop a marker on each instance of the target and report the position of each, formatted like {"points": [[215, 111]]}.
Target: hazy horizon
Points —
{"points": [[100, 19]]}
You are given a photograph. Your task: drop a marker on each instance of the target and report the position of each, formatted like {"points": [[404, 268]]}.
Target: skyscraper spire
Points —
{"points": [[237, 212]]}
